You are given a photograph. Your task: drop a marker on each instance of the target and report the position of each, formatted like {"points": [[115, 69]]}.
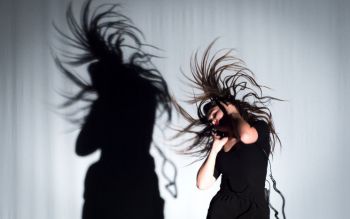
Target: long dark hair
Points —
{"points": [[223, 78], [99, 40]]}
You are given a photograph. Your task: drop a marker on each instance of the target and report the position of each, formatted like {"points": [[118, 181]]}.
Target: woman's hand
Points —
{"points": [[231, 110], [218, 143], [239, 128]]}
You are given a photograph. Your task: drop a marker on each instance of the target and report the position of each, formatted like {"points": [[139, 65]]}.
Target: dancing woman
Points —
{"points": [[235, 134]]}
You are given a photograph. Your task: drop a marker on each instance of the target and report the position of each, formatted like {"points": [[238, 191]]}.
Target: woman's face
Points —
{"points": [[217, 117], [215, 114]]}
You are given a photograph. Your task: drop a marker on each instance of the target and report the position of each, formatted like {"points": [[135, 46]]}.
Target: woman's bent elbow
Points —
{"points": [[204, 185]]}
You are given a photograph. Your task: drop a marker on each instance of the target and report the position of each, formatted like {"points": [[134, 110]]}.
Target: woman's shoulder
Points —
{"points": [[258, 123], [263, 130]]}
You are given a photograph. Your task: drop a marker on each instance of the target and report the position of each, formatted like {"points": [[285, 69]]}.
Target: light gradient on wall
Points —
{"points": [[299, 48]]}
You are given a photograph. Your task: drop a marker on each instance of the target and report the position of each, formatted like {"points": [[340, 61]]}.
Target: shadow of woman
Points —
{"points": [[129, 91]]}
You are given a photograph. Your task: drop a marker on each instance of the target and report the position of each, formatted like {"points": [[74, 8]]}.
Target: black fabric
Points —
{"points": [[123, 183], [243, 169], [112, 192]]}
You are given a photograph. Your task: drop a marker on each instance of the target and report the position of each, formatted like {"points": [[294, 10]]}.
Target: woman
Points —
{"points": [[124, 93], [236, 135]]}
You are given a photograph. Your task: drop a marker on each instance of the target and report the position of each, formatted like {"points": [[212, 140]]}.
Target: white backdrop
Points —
{"points": [[299, 48]]}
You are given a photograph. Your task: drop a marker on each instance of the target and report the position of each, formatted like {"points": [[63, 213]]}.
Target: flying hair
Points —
{"points": [[223, 77]]}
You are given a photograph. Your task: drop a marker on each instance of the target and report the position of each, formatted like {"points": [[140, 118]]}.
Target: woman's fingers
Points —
{"points": [[216, 136], [229, 107]]}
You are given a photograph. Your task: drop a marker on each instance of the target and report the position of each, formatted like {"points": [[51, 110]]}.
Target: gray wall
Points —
{"points": [[298, 48]]}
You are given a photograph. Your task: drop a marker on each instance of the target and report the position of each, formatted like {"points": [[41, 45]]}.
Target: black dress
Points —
{"points": [[243, 170]]}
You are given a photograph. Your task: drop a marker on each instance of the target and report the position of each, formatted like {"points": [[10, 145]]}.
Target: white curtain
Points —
{"points": [[298, 48]]}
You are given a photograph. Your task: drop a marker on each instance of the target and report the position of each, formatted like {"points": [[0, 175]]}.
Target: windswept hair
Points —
{"points": [[100, 39], [223, 78]]}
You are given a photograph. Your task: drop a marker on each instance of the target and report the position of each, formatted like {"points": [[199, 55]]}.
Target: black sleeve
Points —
{"points": [[217, 170], [263, 134]]}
